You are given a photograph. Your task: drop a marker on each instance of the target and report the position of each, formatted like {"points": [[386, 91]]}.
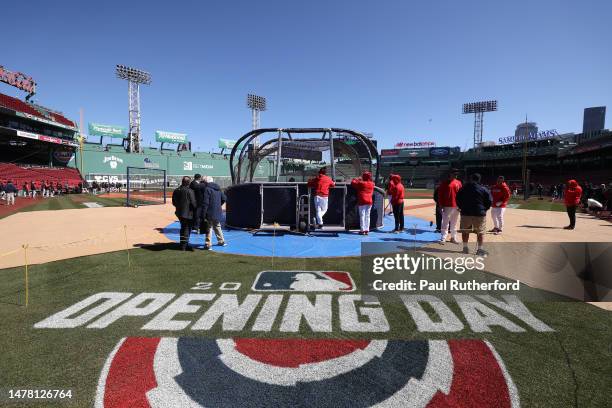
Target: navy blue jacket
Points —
{"points": [[213, 200], [198, 189], [10, 188], [474, 199]]}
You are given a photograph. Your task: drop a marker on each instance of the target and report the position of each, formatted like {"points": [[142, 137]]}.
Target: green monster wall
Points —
{"points": [[110, 164]]}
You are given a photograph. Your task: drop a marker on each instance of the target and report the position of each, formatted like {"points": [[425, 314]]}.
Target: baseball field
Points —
{"points": [[99, 305]]}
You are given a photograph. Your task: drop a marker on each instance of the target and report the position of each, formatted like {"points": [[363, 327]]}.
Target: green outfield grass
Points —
{"points": [[73, 201], [568, 367], [535, 204]]}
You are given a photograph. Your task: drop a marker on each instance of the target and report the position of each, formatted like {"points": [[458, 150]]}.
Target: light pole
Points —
{"points": [[478, 109], [135, 77], [257, 104]]}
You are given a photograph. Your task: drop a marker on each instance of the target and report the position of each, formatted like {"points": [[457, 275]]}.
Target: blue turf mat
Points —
{"points": [[318, 245]]}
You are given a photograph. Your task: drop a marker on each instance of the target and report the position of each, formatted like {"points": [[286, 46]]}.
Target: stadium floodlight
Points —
{"points": [[135, 77], [478, 109], [133, 74], [257, 104]]}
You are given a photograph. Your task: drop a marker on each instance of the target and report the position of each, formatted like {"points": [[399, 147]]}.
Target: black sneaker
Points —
{"points": [[481, 252]]}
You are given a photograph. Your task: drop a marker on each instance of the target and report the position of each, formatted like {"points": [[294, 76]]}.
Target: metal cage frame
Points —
{"points": [[285, 135]]}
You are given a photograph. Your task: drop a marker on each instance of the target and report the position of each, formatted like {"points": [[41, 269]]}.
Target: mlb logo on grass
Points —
{"points": [[303, 281]]}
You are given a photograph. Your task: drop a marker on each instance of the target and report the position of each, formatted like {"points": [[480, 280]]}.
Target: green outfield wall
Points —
{"points": [[110, 163]]}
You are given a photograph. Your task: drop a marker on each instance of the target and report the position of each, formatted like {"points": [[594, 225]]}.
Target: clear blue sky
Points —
{"points": [[400, 69]]}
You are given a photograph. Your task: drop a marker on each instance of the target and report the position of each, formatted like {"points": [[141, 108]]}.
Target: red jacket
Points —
{"points": [[364, 188], [500, 193], [447, 193], [321, 184], [573, 192], [396, 189]]}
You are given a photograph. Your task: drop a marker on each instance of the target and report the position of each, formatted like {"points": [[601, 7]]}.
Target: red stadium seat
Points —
{"points": [[21, 106], [19, 175]]}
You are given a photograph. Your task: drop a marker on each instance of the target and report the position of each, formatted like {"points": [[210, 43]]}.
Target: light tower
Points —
{"points": [[135, 77], [478, 109], [257, 104]]}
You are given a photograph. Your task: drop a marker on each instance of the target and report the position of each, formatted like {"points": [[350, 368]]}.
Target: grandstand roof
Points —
{"points": [[36, 112]]}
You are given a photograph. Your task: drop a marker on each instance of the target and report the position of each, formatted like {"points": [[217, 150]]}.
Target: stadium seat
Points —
{"points": [[34, 110], [20, 175]]}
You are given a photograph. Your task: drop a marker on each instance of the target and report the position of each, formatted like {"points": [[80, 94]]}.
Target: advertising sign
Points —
{"points": [[544, 134], [439, 152], [400, 145], [414, 153], [170, 137], [389, 152], [98, 129], [18, 80], [227, 143]]}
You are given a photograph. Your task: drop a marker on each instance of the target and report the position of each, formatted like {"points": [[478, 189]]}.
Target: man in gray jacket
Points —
{"points": [[183, 199]]}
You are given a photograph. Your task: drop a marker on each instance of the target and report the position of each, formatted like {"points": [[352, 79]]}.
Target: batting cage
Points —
{"points": [[294, 155], [145, 186]]}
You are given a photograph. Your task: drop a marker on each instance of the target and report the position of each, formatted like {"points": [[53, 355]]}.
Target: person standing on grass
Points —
{"points": [[183, 199], [438, 208], [364, 187], [212, 211], [321, 184], [540, 189], [501, 196], [10, 190], [447, 199], [395, 191], [474, 200], [573, 194], [198, 190]]}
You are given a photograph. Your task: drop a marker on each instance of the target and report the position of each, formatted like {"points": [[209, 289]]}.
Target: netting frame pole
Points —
{"points": [[127, 185], [165, 184]]}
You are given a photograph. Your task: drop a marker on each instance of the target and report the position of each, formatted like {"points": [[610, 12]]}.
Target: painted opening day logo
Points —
{"points": [[331, 370], [199, 372], [303, 281]]}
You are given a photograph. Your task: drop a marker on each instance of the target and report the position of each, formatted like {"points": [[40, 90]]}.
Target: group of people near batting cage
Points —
{"points": [[472, 201], [364, 188], [396, 193], [198, 205]]}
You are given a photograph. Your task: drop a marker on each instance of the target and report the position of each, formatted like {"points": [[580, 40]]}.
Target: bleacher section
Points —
{"points": [[35, 110], [19, 175], [421, 176]]}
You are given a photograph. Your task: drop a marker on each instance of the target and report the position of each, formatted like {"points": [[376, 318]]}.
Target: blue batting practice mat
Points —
{"points": [[281, 243]]}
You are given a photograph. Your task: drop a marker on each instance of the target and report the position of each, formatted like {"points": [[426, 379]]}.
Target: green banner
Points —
{"points": [[227, 143], [170, 137], [98, 129]]}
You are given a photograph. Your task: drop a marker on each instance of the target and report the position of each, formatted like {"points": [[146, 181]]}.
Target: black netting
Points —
{"points": [[280, 204], [243, 206]]}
